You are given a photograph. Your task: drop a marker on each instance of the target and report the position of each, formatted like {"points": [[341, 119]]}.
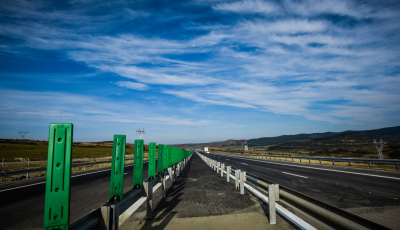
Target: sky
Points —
{"points": [[198, 71]]}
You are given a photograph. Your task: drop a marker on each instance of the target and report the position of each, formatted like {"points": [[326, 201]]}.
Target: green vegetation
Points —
{"points": [[37, 150]]}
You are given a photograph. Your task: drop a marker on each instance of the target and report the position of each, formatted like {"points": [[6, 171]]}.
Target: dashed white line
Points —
{"points": [[244, 164], [331, 170], [294, 175]]}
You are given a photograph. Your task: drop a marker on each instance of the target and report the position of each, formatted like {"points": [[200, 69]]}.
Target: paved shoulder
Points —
{"points": [[201, 199]]}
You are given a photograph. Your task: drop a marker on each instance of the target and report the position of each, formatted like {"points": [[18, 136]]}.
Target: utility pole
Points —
{"points": [[380, 148], [22, 133], [140, 132], [246, 148]]}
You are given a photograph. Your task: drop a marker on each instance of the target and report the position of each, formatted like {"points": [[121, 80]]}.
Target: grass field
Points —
{"points": [[38, 152]]}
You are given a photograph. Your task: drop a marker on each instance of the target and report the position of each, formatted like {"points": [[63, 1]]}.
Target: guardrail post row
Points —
{"points": [[174, 172], [152, 161], [271, 204], [163, 184], [397, 167], [138, 165], [242, 176], [170, 176], [149, 201], [276, 192], [222, 170], [58, 179], [237, 172], [117, 168], [109, 217], [228, 173], [218, 164]]}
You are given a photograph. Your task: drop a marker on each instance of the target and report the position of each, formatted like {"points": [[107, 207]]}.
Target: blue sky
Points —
{"points": [[198, 71]]}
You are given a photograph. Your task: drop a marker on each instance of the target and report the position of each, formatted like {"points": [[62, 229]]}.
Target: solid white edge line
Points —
{"points": [[125, 215], [23, 186], [294, 174], [44, 182], [331, 170]]}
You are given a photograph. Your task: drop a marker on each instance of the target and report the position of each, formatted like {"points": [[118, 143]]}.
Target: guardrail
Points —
{"points": [[334, 215], [58, 181], [330, 159], [42, 169]]}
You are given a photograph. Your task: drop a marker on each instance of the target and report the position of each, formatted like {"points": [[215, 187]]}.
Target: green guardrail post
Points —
{"points": [[138, 165], [117, 168], [152, 161], [58, 178], [161, 159]]}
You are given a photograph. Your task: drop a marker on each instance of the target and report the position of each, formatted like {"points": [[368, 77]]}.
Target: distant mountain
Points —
{"points": [[391, 133], [265, 141]]}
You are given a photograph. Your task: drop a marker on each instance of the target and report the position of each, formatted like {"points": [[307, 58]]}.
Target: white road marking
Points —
{"points": [[294, 174], [44, 182], [22, 186], [331, 170], [244, 164]]}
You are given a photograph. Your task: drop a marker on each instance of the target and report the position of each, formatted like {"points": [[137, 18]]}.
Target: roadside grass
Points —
{"points": [[10, 152]]}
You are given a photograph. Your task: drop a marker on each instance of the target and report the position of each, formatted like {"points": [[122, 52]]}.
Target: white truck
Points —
{"points": [[206, 150]]}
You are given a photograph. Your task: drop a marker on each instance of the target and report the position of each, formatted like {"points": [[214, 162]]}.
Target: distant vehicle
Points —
{"points": [[206, 149]]}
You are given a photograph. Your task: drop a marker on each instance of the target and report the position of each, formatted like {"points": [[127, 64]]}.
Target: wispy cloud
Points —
{"points": [[333, 61], [248, 6], [132, 85]]}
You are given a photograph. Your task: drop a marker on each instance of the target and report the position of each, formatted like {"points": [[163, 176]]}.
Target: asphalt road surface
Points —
{"points": [[373, 194], [22, 204]]}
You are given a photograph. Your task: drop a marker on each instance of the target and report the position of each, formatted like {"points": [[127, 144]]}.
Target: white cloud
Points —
{"points": [[317, 7], [291, 26], [54, 106], [248, 6], [291, 63], [132, 85]]}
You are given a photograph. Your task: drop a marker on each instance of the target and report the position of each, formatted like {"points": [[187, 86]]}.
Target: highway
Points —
{"points": [[22, 203], [373, 194]]}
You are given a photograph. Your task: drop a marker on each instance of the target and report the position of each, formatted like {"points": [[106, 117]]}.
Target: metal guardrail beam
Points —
{"points": [[333, 214], [330, 159], [17, 172], [96, 217]]}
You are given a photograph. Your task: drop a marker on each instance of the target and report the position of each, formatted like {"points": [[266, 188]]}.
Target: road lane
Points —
{"points": [[23, 208], [363, 190]]}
